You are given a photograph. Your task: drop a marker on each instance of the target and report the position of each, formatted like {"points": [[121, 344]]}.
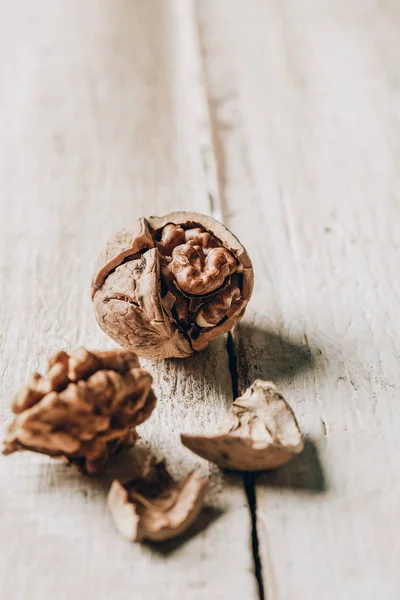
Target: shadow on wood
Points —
{"points": [[208, 515], [58, 474], [262, 354], [304, 472]]}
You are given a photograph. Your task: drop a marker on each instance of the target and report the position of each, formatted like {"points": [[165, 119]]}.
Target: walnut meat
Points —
{"points": [[86, 406], [155, 507], [259, 432], [171, 284]]}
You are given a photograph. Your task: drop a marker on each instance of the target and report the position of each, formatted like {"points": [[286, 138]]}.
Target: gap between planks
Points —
{"points": [[219, 208], [249, 479]]}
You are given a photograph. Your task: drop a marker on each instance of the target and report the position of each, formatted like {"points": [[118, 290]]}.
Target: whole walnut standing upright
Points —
{"points": [[171, 284], [86, 406]]}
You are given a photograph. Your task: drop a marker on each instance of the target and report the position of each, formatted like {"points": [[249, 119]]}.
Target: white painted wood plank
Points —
{"points": [[103, 119], [307, 114]]}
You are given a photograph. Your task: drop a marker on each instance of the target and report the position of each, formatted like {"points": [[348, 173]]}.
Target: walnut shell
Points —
{"points": [[171, 284], [86, 406], [259, 432], [154, 506]]}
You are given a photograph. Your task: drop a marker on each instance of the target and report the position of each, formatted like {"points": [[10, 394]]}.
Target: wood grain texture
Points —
{"points": [[306, 112], [104, 118]]}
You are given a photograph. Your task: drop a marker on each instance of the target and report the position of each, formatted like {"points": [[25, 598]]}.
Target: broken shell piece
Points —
{"points": [[154, 506], [259, 432]]}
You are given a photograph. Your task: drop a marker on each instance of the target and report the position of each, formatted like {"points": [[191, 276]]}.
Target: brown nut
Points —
{"points": [[259, 432], [171, 285], [219, 305], [86, 406], [154, 506], [198, 273]]}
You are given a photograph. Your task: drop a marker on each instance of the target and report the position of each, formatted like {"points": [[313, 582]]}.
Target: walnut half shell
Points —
{"points": [[86, 406], [170, 285], [259, 432], [154, 506]]}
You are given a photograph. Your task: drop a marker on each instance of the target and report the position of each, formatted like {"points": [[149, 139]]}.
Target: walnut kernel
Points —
{"points": [[85, 407]]}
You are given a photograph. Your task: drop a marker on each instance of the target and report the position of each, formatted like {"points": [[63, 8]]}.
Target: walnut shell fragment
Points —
{"points": [[155, 507], [259, 432], [86, 406], [169, 285]]}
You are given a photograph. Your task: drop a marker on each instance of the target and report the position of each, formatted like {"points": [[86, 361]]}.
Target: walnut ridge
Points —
{"points": [[153, 506], [259, 432], [171, 284], [86, 406]]}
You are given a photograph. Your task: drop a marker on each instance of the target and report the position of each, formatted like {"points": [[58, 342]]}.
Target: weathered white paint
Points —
{"points": [[103, 118], [306, 107], [105, 115]]}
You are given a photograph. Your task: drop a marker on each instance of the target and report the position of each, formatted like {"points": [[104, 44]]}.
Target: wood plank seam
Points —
{"points": [[219, 208], [248, 478]]}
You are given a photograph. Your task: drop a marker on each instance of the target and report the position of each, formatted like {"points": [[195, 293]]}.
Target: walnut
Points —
{"points": [[221, 304], [155, 507], [86, 406], [198, 272], [259, 432], [171, 284]]}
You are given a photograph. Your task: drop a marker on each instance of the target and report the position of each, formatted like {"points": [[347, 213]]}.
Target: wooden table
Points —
{"points": [[282, 118]]}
